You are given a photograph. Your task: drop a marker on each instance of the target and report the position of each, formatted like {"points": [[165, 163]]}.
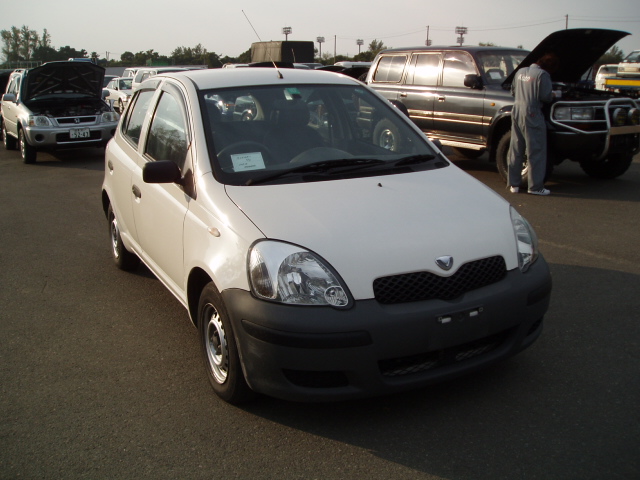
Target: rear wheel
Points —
{"points": [[386, 135], [27, 151], [219, 348], [611, 167], [8, 141], [123, 258]]}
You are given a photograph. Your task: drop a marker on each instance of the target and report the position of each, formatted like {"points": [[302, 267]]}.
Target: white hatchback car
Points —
{"points": [[317, 264]]}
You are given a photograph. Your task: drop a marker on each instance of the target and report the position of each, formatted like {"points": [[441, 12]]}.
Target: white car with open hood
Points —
{"points": [[57, 105], [316, 263]]}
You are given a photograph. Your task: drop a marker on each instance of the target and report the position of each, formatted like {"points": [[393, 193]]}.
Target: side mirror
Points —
{"points": [[105, 93], [400, 106], [9, 97], [161, 171], [473, 81]]}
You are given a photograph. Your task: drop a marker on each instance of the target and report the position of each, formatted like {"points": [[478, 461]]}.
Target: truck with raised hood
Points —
{"points": [[461, 96]]}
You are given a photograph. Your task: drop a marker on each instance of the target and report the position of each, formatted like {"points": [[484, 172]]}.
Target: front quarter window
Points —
{"points": [[132, 125]]}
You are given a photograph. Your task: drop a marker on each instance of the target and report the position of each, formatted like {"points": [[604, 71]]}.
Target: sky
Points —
{"points": [[229, 27]]}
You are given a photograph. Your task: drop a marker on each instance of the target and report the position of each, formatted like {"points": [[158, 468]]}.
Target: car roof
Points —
{"points": [[251, 76]]}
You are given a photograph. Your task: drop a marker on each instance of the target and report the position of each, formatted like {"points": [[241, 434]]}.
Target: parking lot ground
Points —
{"points": [[101, 376]]}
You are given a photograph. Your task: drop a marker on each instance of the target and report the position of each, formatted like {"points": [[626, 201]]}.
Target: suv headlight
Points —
{"points": [[110, 117], [39, 121], [526, 241], [574, 113], [289, 274]]}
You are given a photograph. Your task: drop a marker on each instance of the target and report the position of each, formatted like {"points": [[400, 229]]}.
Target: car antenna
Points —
{"points": [[270, 58]]}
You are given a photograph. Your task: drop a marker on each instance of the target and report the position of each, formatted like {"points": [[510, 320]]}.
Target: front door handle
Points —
{"points": [[136, 192]]}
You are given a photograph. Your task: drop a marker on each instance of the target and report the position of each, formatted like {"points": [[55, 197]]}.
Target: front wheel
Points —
{"points": [[502, 162], [123, 258], [219, 348], [27, 151], [611, 167]]}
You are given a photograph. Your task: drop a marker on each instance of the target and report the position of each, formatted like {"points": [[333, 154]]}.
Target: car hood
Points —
{"points": [[577, 48], [58, 78], [372, 227]]}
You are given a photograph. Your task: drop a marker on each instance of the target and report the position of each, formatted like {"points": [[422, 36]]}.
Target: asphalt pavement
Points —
{"points": [[101, 374]]}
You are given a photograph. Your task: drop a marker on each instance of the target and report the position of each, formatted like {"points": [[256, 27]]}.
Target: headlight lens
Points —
{"points": [[39, 121], [574, 113], [110, 117], [290, 274], [634, 116], [526, 241], [619, 117]]}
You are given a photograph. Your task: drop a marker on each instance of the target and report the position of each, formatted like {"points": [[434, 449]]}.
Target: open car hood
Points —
{"points": [[577, 48], [56, 78]]}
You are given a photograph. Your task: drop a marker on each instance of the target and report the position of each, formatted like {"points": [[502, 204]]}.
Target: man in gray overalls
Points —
{"points": [[531, 88]]}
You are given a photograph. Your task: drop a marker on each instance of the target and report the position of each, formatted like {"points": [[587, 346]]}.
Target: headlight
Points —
{"points": [[526, 241], [39, 121], [289, 274], [110, 117], [574, 113], [634, 116]]}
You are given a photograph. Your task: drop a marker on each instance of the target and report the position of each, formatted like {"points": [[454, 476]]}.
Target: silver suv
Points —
{"points": [[56, 105]]}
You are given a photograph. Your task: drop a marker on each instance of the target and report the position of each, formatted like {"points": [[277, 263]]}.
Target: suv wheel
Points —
{"points": [[27, 151], [502, 162], [8, 141], [611, 167], [386, 135]]}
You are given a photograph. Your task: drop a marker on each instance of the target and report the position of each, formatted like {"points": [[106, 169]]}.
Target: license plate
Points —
{"points": [[75, 133]]}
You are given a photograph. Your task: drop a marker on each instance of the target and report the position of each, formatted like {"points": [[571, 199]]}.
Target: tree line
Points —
{"points": [[23, 45]]}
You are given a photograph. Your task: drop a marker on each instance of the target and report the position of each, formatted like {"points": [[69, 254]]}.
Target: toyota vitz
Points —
{"points": [[316, 263]]}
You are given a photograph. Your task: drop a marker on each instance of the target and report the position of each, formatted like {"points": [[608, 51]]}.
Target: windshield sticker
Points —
{"points": [[495, 75], [244, 162]]}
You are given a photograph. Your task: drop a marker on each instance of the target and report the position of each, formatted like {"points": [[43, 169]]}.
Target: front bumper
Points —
{"points": [[321, 354], [60, 137]]}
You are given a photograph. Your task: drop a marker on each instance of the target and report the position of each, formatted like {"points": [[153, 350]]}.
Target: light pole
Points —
{"points": [[461, 31], [360, 42], [320, 41], [286, 31]]}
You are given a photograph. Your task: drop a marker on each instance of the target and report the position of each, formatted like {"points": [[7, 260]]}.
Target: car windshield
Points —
{"points": [[299, 133], [125, 83], [633, 57], [498, 65]]}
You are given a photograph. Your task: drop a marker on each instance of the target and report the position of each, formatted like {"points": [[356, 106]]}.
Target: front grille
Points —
{"points": [[417, 286], [76, 120], [397, 367]]}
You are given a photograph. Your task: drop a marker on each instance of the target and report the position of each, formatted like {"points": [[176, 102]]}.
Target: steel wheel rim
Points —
{"points": [[216, 345], [115, 234], [23, 147]]}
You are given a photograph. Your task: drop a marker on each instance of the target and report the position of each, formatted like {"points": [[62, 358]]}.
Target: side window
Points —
{"points": [[389, 69], [168, 134], [132, 125], [426, 69], [456, 66]]}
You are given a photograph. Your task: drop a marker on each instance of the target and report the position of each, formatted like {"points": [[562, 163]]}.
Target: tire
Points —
{"points": [[8, 141], [502, 162], [386, 135], [611, 167], [28, 152], [468, 152], [219, 348], [120, 106], [123, 258]]}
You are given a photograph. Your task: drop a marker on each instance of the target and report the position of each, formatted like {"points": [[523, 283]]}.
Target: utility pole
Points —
{"points": [[427, 42], [566, 22]]}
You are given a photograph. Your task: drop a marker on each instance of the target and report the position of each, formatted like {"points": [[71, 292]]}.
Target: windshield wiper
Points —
{"points": [[342, 165], [414, 160]]}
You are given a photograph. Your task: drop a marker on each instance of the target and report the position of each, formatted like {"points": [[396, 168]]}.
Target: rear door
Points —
{"points": [[458, 110], [420, 88]]}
